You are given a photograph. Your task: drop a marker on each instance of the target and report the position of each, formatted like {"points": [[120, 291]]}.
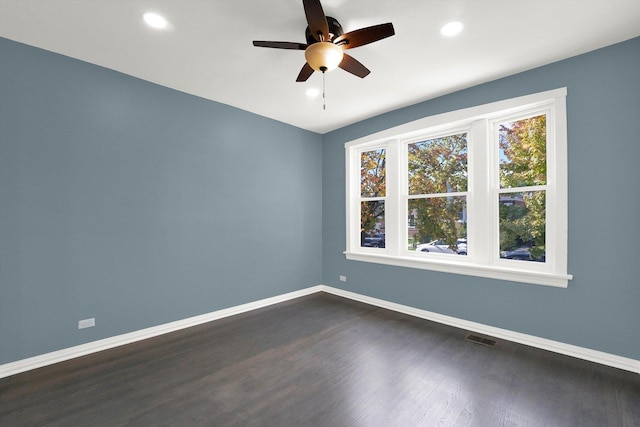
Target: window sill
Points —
{"points": [[468, 269]]}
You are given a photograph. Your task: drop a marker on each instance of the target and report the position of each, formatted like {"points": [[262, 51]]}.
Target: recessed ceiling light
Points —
{"points": [[154, 20], [451, 29], [312, 92]]}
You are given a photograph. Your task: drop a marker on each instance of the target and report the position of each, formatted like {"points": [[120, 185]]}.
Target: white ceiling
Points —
{"points": [[208, 49]]}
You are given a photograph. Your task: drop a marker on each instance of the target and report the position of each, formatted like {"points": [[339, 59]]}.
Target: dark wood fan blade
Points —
{"points": [[305, 73], [280, 45], [365, 35], [316, 19], [354, 66]]}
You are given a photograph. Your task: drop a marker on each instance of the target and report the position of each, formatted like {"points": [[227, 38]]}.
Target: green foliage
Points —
{"points": [[438, 167], [525, 224], [373, 173], [524, 147], [372, 184], [438, 219], [523, 163]]}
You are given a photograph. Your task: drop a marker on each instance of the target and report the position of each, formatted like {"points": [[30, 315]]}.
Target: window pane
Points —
{"points": [[523, 152], [372, 224], [438, 224], [438, 165], [372, 173], [522, 226]]}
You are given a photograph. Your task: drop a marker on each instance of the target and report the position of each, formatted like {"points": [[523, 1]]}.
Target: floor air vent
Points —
{"points": [[479, 340]]}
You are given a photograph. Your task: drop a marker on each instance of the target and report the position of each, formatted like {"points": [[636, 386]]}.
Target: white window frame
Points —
{"points": [[483, 259]]}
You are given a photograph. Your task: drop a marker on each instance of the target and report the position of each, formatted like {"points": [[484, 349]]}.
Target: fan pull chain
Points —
{"points": [[324, 96]]}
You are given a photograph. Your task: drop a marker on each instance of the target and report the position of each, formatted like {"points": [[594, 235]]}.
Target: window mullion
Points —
{"points": [[393, 206], [480, 212]]}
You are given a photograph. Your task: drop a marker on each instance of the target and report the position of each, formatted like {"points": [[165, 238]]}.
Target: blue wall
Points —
{"points": [[601, 307], [139, 205]]}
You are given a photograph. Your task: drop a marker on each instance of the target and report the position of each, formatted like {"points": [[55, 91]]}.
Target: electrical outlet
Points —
{"points": [[343, 278], [86, 323]]}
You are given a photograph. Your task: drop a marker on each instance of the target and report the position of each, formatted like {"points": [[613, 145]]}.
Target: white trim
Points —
{"points": [[455, 265], [35, 362], [600, 357], [452, 119]]}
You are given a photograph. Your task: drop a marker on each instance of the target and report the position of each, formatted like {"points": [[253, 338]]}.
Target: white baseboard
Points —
{"points": [[35, 362], [530, 340]]}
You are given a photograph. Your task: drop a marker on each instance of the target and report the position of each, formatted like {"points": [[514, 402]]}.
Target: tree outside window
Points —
{"points": [[373, 191], [437, 178], [523, 167]]}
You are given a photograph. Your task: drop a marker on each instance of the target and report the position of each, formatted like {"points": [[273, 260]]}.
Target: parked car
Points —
{"points": [[462, 246], [439, 246], [375, 241], [521, 254]]}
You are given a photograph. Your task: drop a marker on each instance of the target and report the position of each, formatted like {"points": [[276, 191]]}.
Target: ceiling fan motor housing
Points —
{"points": [[326, 42], [335, 30]]}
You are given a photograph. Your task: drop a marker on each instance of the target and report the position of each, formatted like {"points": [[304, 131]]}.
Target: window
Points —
{"points": [[480, 191], [437, 194], [372, 200], [522, 194]]}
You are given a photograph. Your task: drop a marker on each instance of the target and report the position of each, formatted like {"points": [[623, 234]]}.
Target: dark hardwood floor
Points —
{"points": [[321, 360]]}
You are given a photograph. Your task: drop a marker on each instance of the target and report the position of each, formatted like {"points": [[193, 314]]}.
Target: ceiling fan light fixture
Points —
{"points": [[324, 56], [326, 41]]}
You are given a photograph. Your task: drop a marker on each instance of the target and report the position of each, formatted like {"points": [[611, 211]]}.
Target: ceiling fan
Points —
{"points": [[326, 43]]}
